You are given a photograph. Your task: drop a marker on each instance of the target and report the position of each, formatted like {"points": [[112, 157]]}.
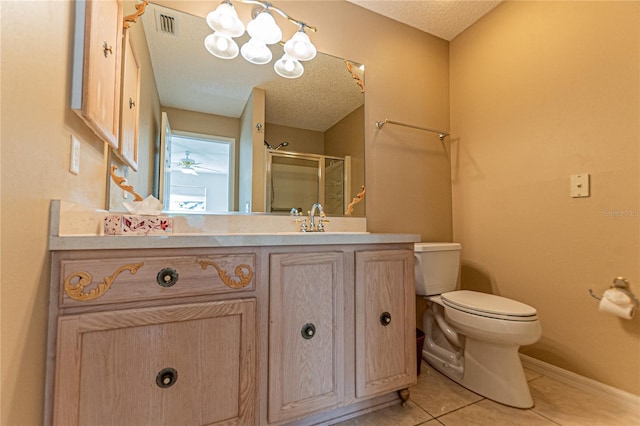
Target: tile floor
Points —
{"points": [[436, 400]]}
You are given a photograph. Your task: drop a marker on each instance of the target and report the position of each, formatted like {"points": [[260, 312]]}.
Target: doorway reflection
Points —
{"points": [[200, 174]]}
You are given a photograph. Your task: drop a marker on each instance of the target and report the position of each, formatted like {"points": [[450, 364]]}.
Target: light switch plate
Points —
{"points": [[74, 161], [580, 185]]}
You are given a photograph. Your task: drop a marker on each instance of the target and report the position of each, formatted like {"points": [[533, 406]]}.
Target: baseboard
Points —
{"points": [[605, 392]]}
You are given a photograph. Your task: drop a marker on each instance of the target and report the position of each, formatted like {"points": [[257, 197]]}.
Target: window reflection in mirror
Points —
{"points": [[200, 174]]}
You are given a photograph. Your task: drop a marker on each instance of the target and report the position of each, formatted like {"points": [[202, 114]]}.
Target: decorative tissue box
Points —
{"points": [[132, 224]]}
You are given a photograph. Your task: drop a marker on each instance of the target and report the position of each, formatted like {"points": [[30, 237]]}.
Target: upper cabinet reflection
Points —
{"points": [[253, 110]]}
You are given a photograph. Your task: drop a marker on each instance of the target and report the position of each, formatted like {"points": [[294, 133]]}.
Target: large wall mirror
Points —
{"points": [[238, 137]]}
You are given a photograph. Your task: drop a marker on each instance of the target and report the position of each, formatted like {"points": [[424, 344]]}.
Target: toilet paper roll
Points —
{"points": [[616, 303]]}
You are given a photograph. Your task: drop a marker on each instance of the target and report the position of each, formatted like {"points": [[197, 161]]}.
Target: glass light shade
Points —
{"points": [[288, 67], [256, 52], [264, 28], [300, 47], [225, 20], [221, 46]]}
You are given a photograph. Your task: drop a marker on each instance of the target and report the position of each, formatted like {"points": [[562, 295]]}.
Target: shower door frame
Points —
{"points": [[321, 159]]}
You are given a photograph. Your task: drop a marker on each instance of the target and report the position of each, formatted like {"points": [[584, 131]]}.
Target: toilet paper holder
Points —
{"points": [[622, 284]]}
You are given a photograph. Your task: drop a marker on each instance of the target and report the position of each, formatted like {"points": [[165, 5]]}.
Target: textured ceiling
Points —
{"points": [[190, 78], [441, 18]]}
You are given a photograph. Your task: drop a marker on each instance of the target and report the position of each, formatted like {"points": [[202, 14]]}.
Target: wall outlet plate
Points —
{"points": [[580, 185]]}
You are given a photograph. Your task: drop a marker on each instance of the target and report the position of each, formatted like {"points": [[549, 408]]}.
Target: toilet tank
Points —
{"points": [[437, 266]]}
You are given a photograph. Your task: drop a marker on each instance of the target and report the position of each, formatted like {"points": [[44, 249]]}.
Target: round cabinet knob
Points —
{"points": [[385, 318], [166, 377], [167, 277], [308, 331]]}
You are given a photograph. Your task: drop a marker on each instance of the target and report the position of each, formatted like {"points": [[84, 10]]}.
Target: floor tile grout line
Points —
{"points": [[427, 421], [459, 408], [424, 411]]}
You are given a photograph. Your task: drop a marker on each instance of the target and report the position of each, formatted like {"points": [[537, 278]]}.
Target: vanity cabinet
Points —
{"points": [[97, 66], [306, 356], [240, 335], [130, 105]]}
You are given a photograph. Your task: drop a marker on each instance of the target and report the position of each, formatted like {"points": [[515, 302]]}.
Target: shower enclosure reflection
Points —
{"points": [[296, 180]]}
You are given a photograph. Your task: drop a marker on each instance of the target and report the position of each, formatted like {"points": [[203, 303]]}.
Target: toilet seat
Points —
{"points": [[489, 305]]}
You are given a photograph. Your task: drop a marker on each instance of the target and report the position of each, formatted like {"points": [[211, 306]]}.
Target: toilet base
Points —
{"points": [[491, 370]]}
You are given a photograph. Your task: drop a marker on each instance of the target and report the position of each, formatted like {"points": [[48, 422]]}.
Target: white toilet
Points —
{"points": [[471, 337]]}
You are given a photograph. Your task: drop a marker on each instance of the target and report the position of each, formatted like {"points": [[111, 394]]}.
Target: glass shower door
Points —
{"points": [[296, 180], [294, 183], [334, 173]]}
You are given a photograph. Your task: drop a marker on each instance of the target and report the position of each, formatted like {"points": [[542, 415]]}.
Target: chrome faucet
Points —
{"points": [[316, 208], [316, 212]]}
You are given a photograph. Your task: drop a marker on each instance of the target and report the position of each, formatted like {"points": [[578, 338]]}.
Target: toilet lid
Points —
{"points": [[489, 305]]}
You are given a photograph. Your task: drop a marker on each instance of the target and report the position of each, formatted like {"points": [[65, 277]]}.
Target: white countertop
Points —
{"points": [[76, 228], [222, 240]]}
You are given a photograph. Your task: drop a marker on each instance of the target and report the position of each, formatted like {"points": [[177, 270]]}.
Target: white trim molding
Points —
{"points": [[606, 392]]}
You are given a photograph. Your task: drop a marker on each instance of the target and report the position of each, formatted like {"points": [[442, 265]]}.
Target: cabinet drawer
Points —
{"points": [[174, 365], [103, 281]]}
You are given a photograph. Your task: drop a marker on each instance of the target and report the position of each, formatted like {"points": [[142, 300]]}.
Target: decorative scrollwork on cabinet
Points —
{"points": [[122, 183], [133, 18], [355, 76], [75, 290], [243, 273]]}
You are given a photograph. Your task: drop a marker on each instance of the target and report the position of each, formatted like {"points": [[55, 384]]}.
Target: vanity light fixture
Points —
{"points": [[264, 31], [288, 67], [300, 46], [226, 25]]}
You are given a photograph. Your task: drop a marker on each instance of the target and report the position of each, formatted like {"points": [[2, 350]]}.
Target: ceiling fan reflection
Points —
{"points": [[188, 166]]}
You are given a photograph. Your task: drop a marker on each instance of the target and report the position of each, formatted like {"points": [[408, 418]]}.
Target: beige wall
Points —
{"points": [[206, 124], [300, 140], [343, 139], [541, 91], [35, 142]]}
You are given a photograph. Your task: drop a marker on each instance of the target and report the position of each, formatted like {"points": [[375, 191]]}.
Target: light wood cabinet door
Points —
{"points": [[385, 321], [130, 105], [175, 365], [99, 59], [306, 355]]}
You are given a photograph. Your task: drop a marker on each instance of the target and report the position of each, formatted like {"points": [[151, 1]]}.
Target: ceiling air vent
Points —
{"points": [[166, 23]]}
